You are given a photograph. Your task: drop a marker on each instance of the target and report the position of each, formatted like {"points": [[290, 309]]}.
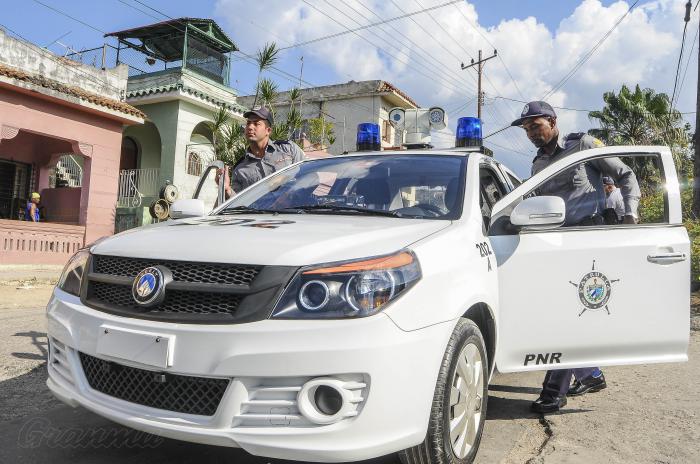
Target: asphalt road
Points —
{"points": [[649, 414]]}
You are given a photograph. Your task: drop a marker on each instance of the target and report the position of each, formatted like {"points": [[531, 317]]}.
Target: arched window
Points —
{"points": [[130, 154], [194, 164], [200, 150]]}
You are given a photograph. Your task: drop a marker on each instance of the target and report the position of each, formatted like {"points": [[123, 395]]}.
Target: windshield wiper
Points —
{"points": [[249, 210], [340, 209]]}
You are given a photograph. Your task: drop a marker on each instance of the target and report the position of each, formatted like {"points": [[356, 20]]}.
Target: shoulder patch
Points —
{"points": [[597, 142]]}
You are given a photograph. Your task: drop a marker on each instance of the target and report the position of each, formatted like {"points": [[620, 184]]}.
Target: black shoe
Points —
{"points": [[547, 404], [588, 385]]}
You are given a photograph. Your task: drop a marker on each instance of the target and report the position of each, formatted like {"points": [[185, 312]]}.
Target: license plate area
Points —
{"points": [[149, 348]]}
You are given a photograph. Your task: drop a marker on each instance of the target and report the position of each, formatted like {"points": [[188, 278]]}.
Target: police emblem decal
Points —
{"points": [[526, 108], [594, 290], [148, 288]]}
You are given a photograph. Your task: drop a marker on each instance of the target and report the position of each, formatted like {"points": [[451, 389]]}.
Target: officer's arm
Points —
{"points": [[297, 152], [236, 185]]}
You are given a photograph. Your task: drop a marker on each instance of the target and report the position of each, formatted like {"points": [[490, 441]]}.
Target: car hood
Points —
{"points": [[287, 240]]}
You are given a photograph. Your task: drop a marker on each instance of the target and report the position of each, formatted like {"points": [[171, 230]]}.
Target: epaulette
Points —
{"points": [[575, 136], [281, 142]]}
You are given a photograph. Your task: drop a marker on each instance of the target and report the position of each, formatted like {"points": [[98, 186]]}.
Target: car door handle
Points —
{"points": [[666, 258]]}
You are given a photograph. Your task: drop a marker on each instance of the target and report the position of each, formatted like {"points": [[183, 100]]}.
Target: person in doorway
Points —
{"points": [[263, 156], [614, 203], [581, 190], [31, 211]]}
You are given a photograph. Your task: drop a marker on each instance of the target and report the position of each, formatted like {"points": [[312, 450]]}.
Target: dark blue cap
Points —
{"points": [[262, 113], [534, 109]]}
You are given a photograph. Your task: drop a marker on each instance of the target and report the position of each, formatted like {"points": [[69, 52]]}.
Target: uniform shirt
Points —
{"points": [[581, 187], [615, 201], [278, 155]]}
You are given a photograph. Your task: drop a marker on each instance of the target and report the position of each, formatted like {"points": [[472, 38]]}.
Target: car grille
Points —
{"points": [[178, 393], [176, 301], [182, 271], [200, 293]]}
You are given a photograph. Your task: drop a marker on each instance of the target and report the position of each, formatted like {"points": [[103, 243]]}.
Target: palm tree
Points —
{"points": [[221, 119], [642, 117], [267, 89], [266, 57]]}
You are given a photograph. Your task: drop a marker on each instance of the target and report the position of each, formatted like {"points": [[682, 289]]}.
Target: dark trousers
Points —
{"points": [[557, 382]]}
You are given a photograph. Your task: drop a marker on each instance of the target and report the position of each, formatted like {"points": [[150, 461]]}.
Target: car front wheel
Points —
{"points": [[459, 403]]}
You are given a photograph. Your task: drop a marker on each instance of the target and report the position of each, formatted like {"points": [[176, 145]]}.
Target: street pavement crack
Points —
{"points": [[548, 434]]}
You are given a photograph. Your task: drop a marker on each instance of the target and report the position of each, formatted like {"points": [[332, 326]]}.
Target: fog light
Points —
{"points": [[328, 400]]}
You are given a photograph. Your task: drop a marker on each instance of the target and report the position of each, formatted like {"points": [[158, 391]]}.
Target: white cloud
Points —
{"points": [[643, 49]]}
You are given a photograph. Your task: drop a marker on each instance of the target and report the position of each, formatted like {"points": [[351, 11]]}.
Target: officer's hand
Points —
{"points": [[629, 219]]}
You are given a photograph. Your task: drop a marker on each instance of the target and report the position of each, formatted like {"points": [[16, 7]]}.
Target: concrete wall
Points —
{"points": [[189, 116], [97, 139], [36, 60], [345, 114], [62, 204], [148, 141]]}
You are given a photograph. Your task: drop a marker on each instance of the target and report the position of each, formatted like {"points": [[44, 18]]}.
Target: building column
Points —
{"points": [[100, 187]]}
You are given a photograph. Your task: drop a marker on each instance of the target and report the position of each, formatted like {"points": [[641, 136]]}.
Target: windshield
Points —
{"points": [[403, 186]]}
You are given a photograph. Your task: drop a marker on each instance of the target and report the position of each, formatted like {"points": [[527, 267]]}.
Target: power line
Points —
{"points": [[567, 108], [687, 64], [69, 16], [455, 41], [500, 58], [369, 41], [408, 64], [250, 59], [528, 155], [349, 31], [680, 55], [590, 53], [426, 54]]}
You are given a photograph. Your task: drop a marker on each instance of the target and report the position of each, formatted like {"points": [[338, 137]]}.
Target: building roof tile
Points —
{"points": [[77, 92]]}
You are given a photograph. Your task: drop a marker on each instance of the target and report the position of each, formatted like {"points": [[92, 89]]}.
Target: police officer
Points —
{"points": [[581, 188], [263, 156]]}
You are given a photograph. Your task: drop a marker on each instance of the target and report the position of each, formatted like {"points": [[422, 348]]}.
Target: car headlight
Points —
{"points": [[73, 272], [355, 288]]}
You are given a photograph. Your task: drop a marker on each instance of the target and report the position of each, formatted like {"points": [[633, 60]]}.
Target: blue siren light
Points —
{"points": [[468, 132], [368, 137]]}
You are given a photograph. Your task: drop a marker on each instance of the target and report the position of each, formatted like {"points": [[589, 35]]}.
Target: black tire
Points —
{"points": [[437, 447]]}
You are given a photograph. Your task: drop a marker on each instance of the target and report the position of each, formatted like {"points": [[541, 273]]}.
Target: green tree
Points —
{"points": [[227, 137], [643, 117], [266, 57], [320, 132]]}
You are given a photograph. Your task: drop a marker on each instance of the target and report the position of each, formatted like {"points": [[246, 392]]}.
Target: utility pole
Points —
{"points": [[479, 69], [696, 138]]}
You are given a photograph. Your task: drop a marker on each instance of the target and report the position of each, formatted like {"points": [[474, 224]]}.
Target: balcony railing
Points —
{"points": [[135, 184]]}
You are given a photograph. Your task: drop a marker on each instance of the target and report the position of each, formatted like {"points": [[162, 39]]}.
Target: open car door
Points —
{"points": [[606, 294]]}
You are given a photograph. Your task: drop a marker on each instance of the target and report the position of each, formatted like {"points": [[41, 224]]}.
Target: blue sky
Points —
{"points": [[539, 42]]}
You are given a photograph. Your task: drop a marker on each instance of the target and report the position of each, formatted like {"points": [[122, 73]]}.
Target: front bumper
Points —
{"points": [[397, 368]]}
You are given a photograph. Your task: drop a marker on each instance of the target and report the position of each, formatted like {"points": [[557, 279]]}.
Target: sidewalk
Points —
{"points": [[13, 273]]}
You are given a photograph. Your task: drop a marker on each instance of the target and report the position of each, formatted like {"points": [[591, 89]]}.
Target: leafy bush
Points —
{"points": [[693, 228], [651, 209]]}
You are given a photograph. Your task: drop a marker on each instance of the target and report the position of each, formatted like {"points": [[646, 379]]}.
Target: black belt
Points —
{"points": [[592, 220]]}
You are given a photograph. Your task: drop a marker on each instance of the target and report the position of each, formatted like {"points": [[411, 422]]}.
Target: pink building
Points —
{"points": [[61, 129]]}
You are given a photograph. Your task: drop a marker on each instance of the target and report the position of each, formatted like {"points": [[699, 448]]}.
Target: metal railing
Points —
{"points": [[134, 184], [67, 172]]}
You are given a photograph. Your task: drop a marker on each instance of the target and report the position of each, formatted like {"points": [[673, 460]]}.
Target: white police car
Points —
{"points": [[354, 306]]}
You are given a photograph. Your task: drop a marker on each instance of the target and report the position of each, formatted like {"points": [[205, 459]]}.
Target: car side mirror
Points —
{"points": [[186, 208], [539, 213]]}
